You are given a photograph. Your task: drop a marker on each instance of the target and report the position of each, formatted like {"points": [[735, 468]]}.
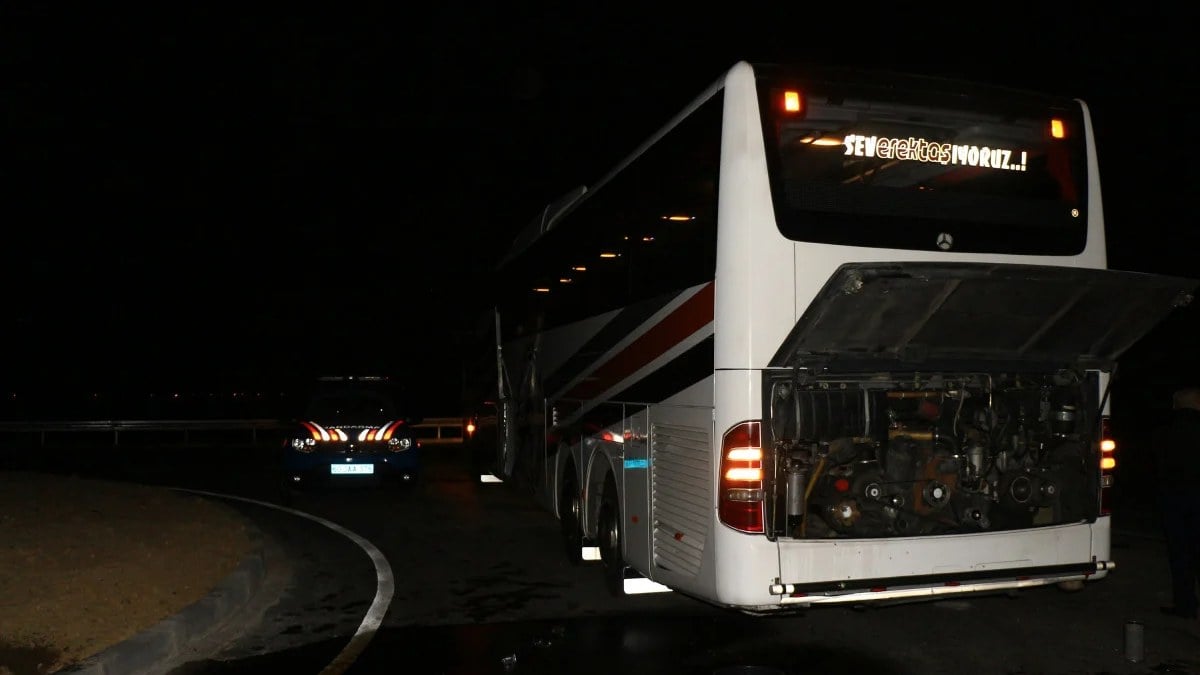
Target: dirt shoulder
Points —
{"points": [[89, 563]]}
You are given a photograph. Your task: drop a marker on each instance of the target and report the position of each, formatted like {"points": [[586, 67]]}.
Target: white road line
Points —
{"points": [[385, 584]]}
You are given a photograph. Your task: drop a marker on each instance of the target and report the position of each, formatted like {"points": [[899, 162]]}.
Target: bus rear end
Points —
{"points": [[935, 332], [939, 428]]}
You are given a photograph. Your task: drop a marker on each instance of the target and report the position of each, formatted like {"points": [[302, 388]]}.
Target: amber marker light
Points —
{"points": [[1057, 129], [1108, 450], [793, 102]]}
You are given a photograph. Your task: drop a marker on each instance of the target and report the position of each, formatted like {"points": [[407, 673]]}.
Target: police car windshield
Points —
{"points": [[351, 407]]}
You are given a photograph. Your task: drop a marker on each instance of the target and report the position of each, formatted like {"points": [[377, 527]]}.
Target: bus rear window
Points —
{"points": [[903, 168]]}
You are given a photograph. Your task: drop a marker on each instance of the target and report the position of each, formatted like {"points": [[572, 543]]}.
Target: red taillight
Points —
{"points": [[1108, 462], [741, 486]]}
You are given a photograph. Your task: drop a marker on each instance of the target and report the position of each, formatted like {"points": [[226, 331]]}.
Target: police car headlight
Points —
{"points": [[399, 444], [304, 444]]}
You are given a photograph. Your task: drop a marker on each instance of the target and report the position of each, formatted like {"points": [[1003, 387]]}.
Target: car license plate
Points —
{"points": [[354, 469]]}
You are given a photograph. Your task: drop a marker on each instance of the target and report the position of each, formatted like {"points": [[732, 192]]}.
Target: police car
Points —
{"points": [[353, 431]]}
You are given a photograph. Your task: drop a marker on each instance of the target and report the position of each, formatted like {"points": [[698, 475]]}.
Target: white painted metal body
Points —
{"points": [[664, 457]]}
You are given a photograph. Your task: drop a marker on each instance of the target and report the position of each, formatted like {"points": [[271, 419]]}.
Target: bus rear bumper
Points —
{"points": [[935, 587]]}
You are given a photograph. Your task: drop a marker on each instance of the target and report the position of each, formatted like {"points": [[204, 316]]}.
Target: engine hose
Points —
{"points": [[808, 491]]}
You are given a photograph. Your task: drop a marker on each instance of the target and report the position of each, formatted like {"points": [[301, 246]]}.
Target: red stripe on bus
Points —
{"points": [[695, 313]]}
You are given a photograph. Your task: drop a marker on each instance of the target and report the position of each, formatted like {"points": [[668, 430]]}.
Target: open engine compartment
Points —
{"points": [[912, 454]]}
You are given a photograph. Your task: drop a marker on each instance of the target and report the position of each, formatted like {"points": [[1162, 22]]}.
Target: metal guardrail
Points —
{"points": [[441, 431], [430, 431]]}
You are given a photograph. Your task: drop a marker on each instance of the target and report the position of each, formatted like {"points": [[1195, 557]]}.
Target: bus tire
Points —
{"points": [[610, 542], [570, 510]]}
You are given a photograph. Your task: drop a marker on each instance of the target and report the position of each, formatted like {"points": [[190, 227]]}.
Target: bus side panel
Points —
{"points": [[635, 463], [744, 565], [755, 277], [682, 491], [1097, 246], [755, 307], [681, 497]]}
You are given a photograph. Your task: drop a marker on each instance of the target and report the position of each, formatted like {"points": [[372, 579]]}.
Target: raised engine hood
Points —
{"points": [[883, 315]]}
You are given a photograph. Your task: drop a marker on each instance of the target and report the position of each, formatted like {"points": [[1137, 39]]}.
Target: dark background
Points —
{"points": [[207, 200]]}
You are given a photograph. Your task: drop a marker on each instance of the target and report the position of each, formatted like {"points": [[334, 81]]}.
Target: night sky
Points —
{"points": [[218, 197]]}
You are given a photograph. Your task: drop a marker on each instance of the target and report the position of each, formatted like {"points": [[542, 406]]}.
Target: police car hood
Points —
{"points": [[922, 314]]}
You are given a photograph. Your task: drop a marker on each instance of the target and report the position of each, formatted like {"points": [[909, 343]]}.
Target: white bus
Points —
{"points": [[826, 337]]}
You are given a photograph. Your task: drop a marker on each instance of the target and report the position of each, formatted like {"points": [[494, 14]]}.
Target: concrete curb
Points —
{"points": [[166, 639]]}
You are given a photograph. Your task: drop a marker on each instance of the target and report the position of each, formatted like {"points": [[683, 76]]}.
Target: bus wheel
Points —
{"points": [[610, 542], [569, 511]]}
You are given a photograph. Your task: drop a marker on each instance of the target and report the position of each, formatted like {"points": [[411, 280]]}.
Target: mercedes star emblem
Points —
{"points": [[945, 240]]}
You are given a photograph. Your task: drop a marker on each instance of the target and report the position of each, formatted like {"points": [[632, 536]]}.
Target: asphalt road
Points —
{"points": [[481, 586]]}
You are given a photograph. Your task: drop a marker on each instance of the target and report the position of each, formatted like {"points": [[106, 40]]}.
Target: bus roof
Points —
{"points": [[543, 222]]}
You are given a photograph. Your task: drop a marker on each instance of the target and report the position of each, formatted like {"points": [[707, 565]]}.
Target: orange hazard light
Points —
{"points": [[793, 102]]}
